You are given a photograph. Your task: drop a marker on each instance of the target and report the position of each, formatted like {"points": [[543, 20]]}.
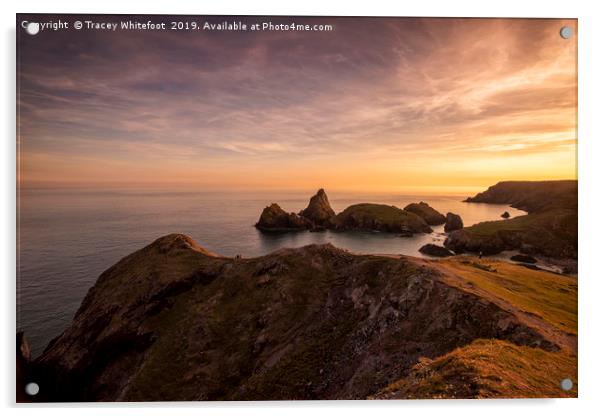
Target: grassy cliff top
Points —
{"points": [[487, 369], [547, 296]]}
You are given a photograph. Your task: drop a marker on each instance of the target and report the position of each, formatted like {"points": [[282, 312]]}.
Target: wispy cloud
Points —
{"points": [[373, 93]]}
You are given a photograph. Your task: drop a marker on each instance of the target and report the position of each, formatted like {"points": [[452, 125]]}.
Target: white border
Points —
{"points": [[590, 226]]}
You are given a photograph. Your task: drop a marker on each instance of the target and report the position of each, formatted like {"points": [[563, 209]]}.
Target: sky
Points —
{"points": [[377, 104]]}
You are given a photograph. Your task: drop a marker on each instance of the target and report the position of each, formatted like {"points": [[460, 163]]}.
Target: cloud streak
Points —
{"points": [[371, 95]]}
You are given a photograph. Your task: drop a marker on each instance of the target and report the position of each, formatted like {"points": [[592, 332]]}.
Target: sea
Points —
{"points": [[67, 237]]}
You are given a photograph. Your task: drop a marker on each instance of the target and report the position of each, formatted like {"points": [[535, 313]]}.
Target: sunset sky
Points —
{"points": [[377, 104]]}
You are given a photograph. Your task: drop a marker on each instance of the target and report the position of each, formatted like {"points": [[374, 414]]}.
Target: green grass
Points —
{"points": [[387, 213], [520, 223], [490, 228], [549, 296]]}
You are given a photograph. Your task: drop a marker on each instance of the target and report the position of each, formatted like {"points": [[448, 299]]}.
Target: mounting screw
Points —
{"points": [[32, 389], [566, 384], [566, 32]]}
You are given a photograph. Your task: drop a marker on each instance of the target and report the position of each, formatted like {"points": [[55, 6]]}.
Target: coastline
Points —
{"points": [[174, 299], [61, 261]]}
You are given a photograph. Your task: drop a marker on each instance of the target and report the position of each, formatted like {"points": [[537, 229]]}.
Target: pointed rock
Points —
{"points": [[319, 211]]}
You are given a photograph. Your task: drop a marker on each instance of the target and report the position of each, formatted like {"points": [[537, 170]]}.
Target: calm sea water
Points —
{"points": [[67, 238]]}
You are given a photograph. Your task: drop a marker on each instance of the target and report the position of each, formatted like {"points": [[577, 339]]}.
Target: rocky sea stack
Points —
{"points": [[453, 222], [274, 218], [426, 212], [319, 211], [173, 321], [379, 217], [319, 216]]}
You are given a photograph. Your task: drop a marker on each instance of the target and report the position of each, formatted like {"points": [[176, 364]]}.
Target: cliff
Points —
{"points": [[173, 321], [531, 196], [549, 229]]}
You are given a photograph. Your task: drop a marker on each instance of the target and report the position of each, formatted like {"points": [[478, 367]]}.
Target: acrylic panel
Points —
{"points": [[295, 208]]}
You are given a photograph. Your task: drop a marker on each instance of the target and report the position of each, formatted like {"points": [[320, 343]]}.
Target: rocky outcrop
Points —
{"points": [[274, 218], [524, 258], [378, 217], [453, 222], [435, 250], [175, 322], [319, 216], [506, 214], [531, 196], [462, 241], [319, 211], [426, 212]]}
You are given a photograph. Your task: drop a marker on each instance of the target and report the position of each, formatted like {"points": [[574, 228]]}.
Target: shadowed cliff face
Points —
{"points": [[175, 322]]}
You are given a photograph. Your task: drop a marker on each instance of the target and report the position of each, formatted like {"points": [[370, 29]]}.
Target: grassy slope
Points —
{"points": [[548, 296], [488, 369], [550, 228], [561, 217], [496, 368]]}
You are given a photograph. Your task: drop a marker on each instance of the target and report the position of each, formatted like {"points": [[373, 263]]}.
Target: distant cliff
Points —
{"points": [[173, 321], [531, 196], [550, 228]]}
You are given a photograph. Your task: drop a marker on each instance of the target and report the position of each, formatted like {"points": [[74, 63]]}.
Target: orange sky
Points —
{"points": [[420, 105]]}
